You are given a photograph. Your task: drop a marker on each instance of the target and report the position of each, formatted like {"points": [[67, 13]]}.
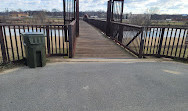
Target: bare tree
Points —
{"points": [[143, 19], [54, 12], [39, 17], [3, 19], [140, 19], [186, 23], [153, 10], [20, 10]]}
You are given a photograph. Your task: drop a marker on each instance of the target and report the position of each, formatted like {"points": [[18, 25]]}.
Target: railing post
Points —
{"points": [[121, 16], [141, 45], [48, 39], [108, 25], [4, 55], [77, 18], [120, 37], [161, 42], [65, 31], [70, 35]]}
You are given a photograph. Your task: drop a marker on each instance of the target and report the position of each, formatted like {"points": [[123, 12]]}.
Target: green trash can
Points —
{"points": [[34, 44]]}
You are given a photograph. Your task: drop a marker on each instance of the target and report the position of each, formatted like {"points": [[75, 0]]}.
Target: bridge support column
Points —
{"points": [[77, 17], [120, 37], [108, 25]]}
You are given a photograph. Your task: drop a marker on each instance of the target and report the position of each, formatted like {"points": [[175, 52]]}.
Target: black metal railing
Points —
{"points": [[166, 42], [58, 40], [100, 24], [147, 41], [129, 36]]}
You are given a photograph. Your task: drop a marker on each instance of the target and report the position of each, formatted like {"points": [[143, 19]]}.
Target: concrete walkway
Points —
{"points": [[92, 44], [96, 86]]}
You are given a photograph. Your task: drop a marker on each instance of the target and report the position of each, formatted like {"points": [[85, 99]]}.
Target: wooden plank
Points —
{"points": [[92, 44]]}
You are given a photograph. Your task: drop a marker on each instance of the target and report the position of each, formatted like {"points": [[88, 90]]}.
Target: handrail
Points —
{"points": [[128, 25], [147, 40], [177, 27], [29, 25]]}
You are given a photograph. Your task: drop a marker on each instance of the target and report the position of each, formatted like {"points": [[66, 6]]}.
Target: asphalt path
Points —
{"points": [[96, 86]]}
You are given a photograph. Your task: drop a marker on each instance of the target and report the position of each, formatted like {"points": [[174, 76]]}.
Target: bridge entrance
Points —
{"points": [[91, 43]]}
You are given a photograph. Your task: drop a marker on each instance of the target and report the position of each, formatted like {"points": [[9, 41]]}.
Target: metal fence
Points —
{"points": [[166, 42], [57, 40], [147, 41], [129, 36], [69, 9], [100, 24]]}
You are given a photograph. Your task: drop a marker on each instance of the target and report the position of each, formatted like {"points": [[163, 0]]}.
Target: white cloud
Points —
{"points": [[134, 6]]}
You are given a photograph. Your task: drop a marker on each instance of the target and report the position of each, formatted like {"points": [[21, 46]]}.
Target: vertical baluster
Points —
{"points": [[170, 42], [166, 41], [182, 43], [178, 42], [48, 39], [59, 40], [5, 36], [149, 40], [185, 51], [11, 42], [55, 39], [17, 50], [161, 42], [21, 42], [152, 40], [2, 44], [51, 28], [173, 42], [63, 37]]}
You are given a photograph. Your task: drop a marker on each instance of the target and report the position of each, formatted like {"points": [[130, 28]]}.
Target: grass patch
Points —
{"points": [[11, 66], [181, 60]]}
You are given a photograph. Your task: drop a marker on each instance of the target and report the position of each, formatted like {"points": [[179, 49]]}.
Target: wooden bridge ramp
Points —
{"points": [[93, 44]]}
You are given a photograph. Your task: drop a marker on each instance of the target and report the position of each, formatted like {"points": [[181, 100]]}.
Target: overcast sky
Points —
{"points": [[134, 6]]}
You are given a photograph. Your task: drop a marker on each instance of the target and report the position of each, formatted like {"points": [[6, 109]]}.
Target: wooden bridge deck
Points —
{"points": [[92, 44]]}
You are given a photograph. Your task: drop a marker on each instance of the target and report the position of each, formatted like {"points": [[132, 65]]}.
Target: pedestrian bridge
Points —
{"points": [[91, 43]]}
